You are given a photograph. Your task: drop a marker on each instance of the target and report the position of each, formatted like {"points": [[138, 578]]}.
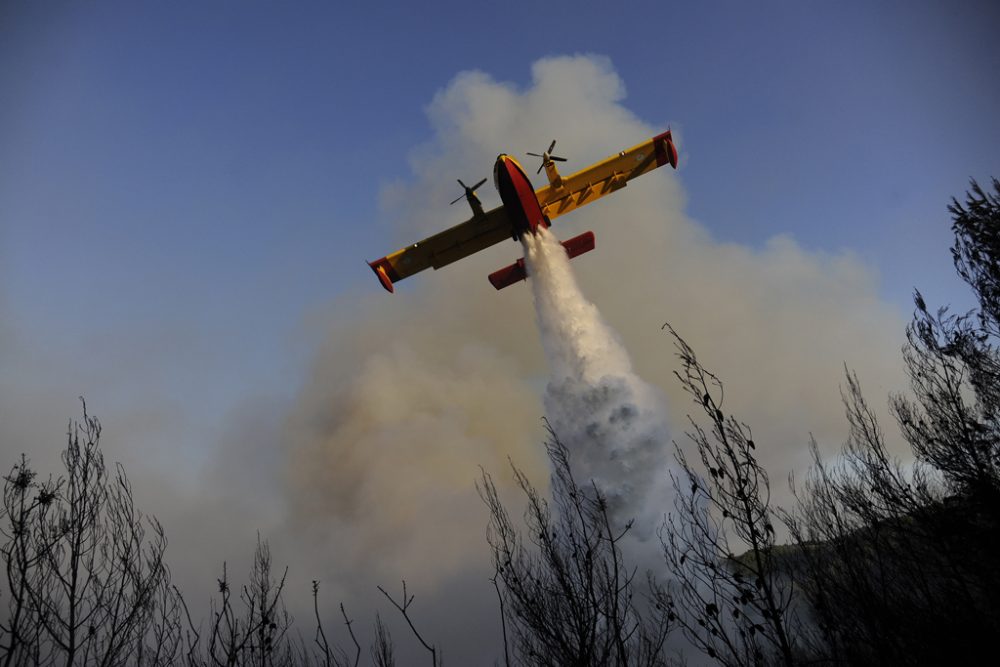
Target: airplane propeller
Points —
{"points": [[547, 157], [469, 192]]}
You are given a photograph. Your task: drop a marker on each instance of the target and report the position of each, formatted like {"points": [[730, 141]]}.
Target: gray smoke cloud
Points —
{"points": [[411, 394], [368, 477]]}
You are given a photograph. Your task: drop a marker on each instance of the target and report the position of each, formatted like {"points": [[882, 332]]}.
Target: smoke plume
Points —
{"points": [[411, 395], [369, 475]]}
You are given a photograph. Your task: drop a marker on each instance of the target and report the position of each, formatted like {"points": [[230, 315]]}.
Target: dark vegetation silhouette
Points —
{"points": [[85, 578], [899, 564], [85, 582], [566, 590], [734, 608], [876, 563]]}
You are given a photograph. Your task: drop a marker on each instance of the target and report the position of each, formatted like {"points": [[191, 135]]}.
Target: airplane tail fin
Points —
{"points": [[516, 272]]}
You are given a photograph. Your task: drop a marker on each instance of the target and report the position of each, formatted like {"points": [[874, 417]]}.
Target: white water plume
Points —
{"points": [[613, 422]]}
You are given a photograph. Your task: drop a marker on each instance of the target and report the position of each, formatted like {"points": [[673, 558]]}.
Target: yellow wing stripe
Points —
{"points": [[600, 179]]}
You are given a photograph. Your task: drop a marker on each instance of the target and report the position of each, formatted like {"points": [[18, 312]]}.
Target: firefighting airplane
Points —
{"points": [[525, 209]]}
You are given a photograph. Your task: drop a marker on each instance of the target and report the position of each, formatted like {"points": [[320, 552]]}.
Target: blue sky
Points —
{"points": [[187, 188], [246, 141]]}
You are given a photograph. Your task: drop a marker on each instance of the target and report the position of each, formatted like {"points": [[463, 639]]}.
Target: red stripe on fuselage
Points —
{"points": [[518, 195]]}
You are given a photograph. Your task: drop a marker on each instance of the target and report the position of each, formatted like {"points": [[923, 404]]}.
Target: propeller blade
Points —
{"points": [[547, 157], [469, 192]]}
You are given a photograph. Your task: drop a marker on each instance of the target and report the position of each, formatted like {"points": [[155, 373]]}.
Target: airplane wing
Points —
{"points": [[471, 236], [601, 179]]}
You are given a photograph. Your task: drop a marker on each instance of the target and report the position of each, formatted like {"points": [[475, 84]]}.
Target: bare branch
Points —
{"points": [[403, 607]]}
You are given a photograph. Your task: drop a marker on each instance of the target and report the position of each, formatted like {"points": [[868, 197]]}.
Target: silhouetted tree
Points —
{"points": [[87, 583], [899, 564], [865, 545], [976, 251], [567, 593], [257, 634], [382, 637], [254, 627], [727, 593], [953, 420], [381, 649]]}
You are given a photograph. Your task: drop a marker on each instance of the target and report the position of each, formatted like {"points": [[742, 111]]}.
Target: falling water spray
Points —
{"points": [[612, 422]]}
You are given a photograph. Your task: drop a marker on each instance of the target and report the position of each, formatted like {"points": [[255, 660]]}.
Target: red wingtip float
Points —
{"points": [[382, 268], [525, 209]]}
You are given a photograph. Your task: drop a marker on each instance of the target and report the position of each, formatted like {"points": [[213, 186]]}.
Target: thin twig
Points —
{"points": [[402, 609], [350, 631], [503, 616]]}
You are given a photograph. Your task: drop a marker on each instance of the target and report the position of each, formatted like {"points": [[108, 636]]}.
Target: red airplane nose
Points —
{"points": [[518, 196]]}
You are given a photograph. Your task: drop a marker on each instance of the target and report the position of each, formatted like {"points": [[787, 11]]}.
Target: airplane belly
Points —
{"points": [[518, 195]]}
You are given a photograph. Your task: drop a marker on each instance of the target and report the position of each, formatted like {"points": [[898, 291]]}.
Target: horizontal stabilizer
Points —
{"points": [[516, 272], [578, 245], [509, 275]]}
